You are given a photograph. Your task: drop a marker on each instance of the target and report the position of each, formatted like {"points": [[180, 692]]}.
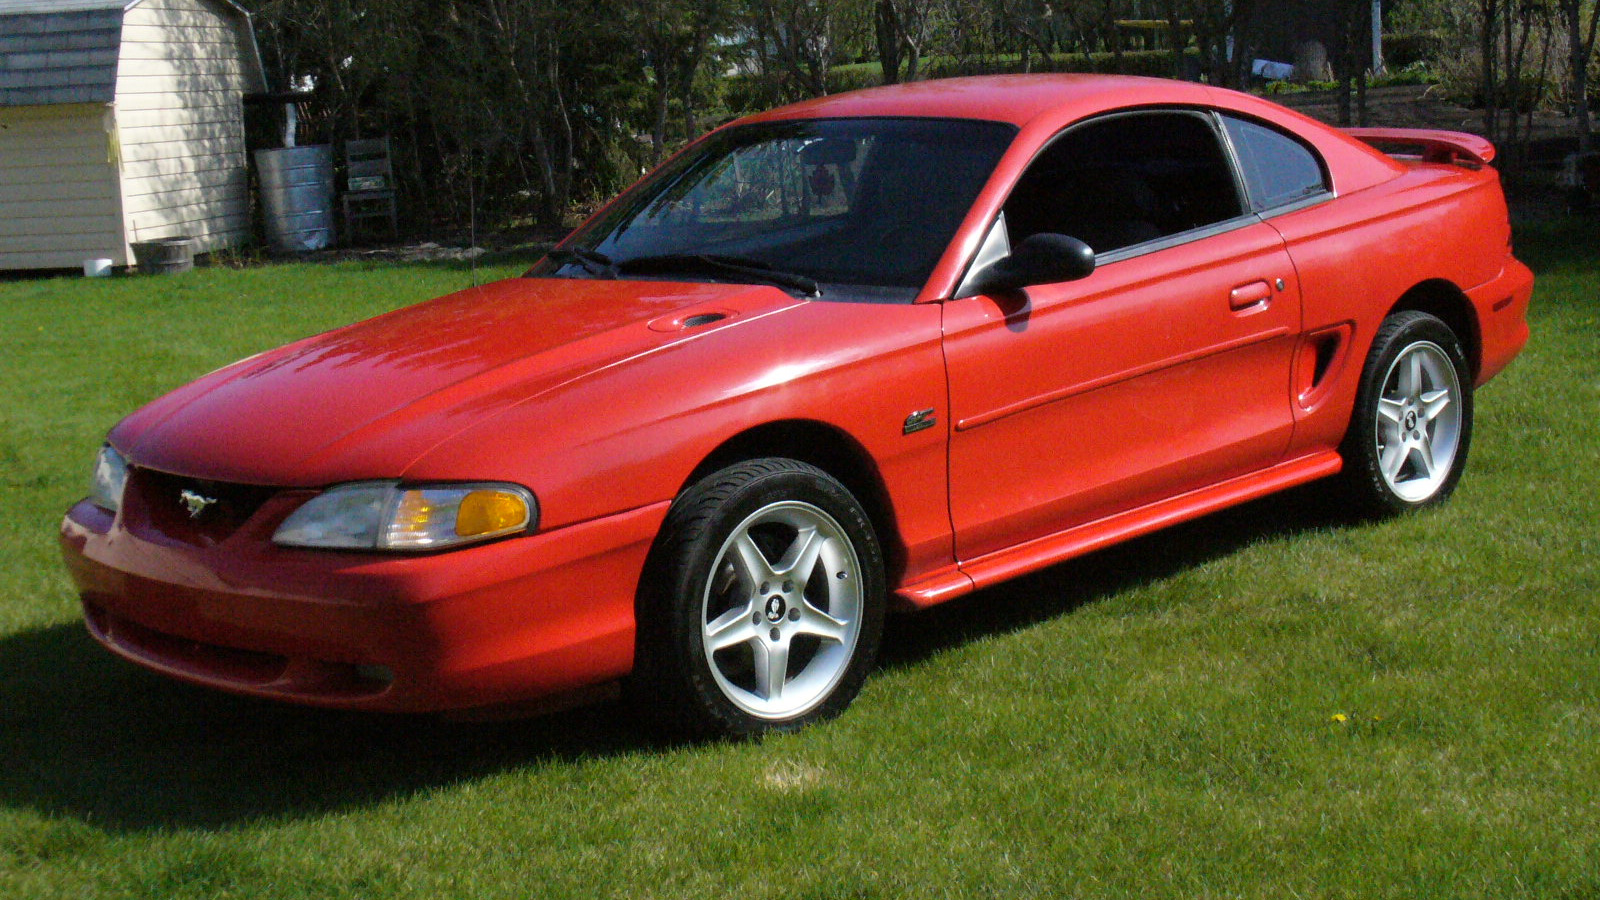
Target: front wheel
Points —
{"points": [[1408, 439], [763, 607]]}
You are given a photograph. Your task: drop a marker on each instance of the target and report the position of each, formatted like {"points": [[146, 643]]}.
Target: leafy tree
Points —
{"points": [[1217, 26], [675, 38], [797, 42], [1580, 50], [903, 29], [1352, 44]]}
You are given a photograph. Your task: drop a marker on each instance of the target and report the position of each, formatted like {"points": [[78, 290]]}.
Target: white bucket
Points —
{"points": [[96, 268]]}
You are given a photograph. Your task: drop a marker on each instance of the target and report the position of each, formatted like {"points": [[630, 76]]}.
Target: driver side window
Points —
{"points": [[1126, 179]]}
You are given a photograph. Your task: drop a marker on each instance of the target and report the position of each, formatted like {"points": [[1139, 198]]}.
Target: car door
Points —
{"points": [[1165, 370]]}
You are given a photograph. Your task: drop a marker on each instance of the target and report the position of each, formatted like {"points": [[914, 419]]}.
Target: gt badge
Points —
{"points": [[919, 420]]}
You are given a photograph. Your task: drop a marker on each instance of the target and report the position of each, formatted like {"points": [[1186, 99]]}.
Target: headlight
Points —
{"points": [[383, 515], [110, 477]]}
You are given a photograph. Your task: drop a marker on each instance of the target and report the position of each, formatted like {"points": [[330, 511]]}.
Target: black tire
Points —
{"points": [[1412, 425], [731, 644]]}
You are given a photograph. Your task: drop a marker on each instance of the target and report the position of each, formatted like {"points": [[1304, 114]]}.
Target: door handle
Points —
{"points": [[1256, 293]]}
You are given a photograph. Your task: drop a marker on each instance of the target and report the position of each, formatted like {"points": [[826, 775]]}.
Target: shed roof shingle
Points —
{"points": [[65, 51], [10, 7], [59, 57]]}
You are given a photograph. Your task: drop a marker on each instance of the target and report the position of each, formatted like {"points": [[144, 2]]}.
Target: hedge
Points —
{"points": [[750, 93]]}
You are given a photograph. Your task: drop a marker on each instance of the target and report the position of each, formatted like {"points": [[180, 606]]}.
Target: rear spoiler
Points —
{"points": [[1443, 147]]}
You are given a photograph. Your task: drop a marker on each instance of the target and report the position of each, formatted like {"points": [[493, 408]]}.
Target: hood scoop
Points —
{"points": [[690, 319]]}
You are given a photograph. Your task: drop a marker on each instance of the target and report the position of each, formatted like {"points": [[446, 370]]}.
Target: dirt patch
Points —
{"points": [[1417, 106], [1533, 192], [449, 246]]}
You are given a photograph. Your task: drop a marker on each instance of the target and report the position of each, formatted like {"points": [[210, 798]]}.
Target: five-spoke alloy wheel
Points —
{"points": [[766, 605], [782, 610], [1408, 440]]}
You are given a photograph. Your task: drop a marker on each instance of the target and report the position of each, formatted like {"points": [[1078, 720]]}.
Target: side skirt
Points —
{"points": [[993, 568]]}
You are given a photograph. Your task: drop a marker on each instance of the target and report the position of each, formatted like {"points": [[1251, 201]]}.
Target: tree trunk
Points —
{"points": [[887, 22], [1364, 26], [1361, 97], [1175, 37], [563, 174], [691, 122], [1113, 33], [688, 67], [1488, 75], [1544, 73], [1516, 55], [1580, 51], [658, 126]]}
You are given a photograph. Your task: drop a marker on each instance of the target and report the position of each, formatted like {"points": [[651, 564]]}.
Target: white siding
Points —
{"points": [[182, 72], [59, 200]]}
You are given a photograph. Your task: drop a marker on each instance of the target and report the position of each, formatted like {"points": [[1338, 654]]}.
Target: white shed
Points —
{"points": [[122, 121]]}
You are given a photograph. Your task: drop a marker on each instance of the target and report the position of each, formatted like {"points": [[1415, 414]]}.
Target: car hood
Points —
{"points": [[367, 400]]}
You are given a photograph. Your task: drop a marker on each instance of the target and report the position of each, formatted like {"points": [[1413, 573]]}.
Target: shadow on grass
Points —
{"points": [[1060, 589], [88, 736]]}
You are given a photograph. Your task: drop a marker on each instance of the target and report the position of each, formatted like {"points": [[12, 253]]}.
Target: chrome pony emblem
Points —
{"points": [[195, 502], [775, 608]]}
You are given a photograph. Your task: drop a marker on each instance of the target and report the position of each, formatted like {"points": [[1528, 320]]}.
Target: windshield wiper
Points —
{"points": [[592, 261], [744, 267]]}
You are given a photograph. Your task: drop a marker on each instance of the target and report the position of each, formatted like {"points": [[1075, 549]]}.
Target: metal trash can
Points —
{"points": [[297, 197], [166, 256]]}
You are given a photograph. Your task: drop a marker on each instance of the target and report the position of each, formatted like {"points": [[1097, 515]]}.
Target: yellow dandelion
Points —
{"points": [[1340, 717]]}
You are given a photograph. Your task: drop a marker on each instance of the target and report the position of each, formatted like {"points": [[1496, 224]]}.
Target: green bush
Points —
{"points": [[1522, 95], [1157, 63], [854, 77], [1403, 50], [744, 94], [1461, 78], [1416, 73]]}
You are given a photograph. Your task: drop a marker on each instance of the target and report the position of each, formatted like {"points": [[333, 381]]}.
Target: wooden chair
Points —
{"points": [[369, 184]]}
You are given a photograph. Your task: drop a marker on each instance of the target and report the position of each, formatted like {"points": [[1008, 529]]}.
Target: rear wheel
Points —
{"points": [[1408, 440], [764, 604]]}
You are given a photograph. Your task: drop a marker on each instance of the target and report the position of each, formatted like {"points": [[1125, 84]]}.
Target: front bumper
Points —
{"points": [[499, 623]]}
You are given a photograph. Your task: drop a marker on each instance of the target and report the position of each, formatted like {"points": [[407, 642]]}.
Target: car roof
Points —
{"points": [[1041, 105], [1017, 99]]}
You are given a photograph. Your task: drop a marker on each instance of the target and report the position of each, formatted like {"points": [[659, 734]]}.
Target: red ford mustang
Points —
{"points": [[884, 347]]}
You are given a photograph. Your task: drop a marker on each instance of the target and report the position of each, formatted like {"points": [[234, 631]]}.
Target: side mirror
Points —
{"points": [[1042, 258]]}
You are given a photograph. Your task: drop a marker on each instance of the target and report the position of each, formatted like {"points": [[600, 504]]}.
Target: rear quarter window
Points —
{"points": [[1278, 169]]}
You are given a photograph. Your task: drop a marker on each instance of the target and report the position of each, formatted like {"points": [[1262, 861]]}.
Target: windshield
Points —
{"points": [[861, 207]]}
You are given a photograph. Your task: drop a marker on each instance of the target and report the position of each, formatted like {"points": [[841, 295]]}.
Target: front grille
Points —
{"points": [[229, 664], [195, 510], [234, 668]]}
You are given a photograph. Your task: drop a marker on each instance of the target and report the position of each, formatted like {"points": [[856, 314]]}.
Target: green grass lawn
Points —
{"points": [[1273, 702]]}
